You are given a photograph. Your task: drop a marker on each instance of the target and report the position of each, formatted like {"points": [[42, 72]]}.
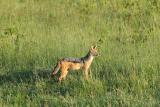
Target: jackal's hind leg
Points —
{"points": [[63, 75]]}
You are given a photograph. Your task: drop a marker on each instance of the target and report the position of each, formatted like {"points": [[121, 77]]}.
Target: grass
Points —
{"points": [[35, 33]]}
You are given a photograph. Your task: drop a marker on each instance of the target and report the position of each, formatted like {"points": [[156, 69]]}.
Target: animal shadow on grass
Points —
{"points": [[26, 77]]}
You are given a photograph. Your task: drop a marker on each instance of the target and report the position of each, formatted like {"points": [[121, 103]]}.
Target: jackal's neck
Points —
{"points": [[88, 57]]}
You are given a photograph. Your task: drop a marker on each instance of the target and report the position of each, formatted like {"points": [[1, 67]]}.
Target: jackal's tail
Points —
{"points": [[57, 67]]}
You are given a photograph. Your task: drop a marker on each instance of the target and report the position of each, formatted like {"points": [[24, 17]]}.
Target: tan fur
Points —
{"points": [[65, 66]]}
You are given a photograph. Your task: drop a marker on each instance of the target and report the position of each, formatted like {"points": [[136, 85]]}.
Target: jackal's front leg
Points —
{"points": [[86, 73]]}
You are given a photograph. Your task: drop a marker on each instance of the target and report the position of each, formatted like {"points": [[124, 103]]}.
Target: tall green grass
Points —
{"points": [[34, 34]]}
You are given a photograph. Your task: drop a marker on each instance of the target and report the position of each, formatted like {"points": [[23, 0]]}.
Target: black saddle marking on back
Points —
{"points": [[74, 60]]}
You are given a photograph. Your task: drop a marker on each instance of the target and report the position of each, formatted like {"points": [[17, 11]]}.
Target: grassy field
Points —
{"points": [[35, 33]]}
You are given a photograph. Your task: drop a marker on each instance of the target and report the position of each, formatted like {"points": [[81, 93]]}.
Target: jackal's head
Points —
{"points": [[93, 51]]}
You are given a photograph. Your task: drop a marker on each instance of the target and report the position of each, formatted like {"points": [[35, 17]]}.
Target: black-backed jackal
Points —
{"points": [[83, 63]]}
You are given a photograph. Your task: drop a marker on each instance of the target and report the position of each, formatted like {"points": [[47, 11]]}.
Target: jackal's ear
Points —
{"points": [[92, 47], [95, 47]]}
